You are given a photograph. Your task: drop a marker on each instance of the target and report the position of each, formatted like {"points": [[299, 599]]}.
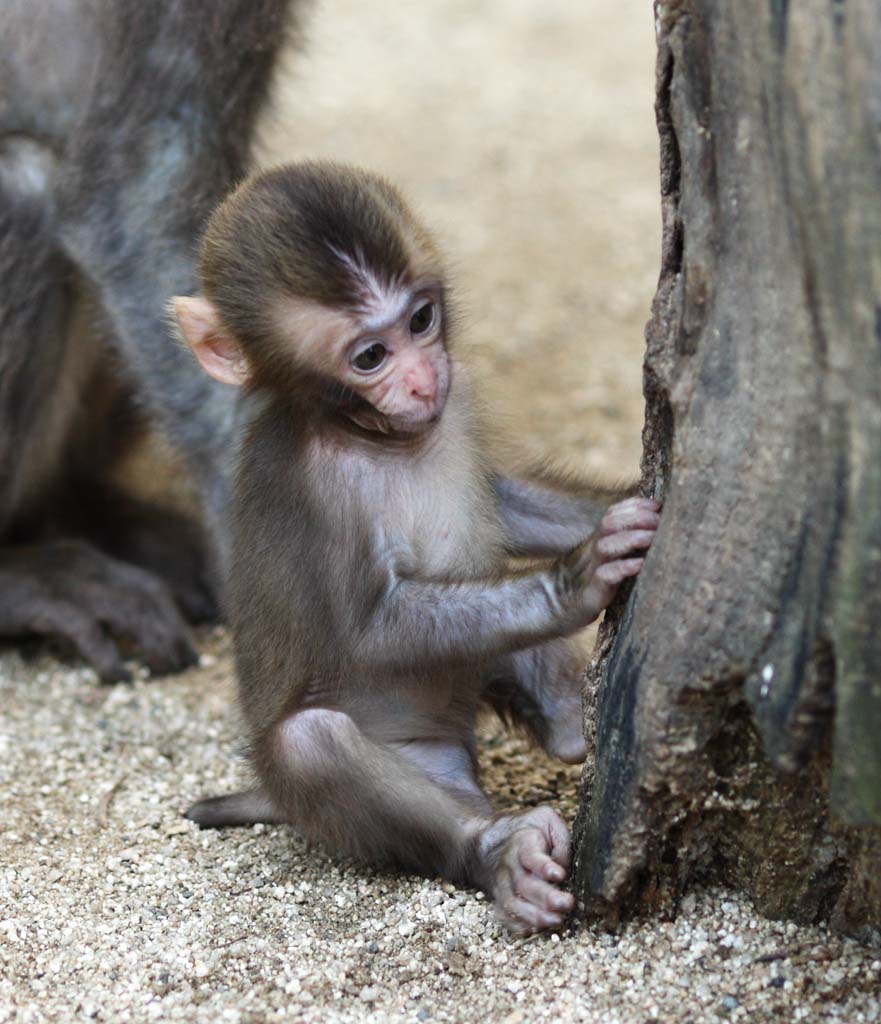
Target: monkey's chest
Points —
{"points": [[434, 514], [443, 531]]}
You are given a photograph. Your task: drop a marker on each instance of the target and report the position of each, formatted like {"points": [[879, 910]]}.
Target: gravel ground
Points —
{"points": [[531, 146], [114, 908]]}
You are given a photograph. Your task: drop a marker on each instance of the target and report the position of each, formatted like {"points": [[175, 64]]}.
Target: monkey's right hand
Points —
{"points": [[587, 578], [68, 590]]}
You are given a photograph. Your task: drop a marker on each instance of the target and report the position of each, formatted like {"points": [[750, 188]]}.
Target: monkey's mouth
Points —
{"points": [[397, 426], [417, 424], [410, 424]]}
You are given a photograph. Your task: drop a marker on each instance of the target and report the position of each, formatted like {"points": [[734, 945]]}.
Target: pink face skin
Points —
{"points": [[400, 366]]}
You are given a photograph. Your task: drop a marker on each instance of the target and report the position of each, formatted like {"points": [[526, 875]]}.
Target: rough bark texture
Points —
{"points": [[737, 692]]}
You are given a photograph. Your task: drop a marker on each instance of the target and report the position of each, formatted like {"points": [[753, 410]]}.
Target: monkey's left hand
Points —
{"points": [[589, 577]]}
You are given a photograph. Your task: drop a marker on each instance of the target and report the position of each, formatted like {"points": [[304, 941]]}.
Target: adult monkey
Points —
{"points": [[122, 123]]}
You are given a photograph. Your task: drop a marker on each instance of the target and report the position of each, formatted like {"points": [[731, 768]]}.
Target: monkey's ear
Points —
{"points": [[217, 351]]}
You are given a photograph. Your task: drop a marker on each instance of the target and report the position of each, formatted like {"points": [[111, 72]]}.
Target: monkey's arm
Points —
{"points": [[425, 620], [418, 619], [549, 515]]}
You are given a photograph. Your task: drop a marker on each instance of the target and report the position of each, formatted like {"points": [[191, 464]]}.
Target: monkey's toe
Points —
{"points": [[568, 747], [530, 871]]}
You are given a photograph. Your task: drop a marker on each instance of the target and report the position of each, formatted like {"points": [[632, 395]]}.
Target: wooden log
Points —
{"points": [[735, 695]]}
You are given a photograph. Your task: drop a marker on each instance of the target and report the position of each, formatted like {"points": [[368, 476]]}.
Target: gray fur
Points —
{"points": [[122, 123]]}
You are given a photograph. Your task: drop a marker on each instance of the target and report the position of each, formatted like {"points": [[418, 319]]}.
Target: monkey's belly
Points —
{"points": [[421, 706]]}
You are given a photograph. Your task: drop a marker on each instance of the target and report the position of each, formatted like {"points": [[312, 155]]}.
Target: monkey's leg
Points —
{"points": [[134, 286], [542, 518], [414, 805], [66, 589], [35, 303], [448, 764], [539, 690]]}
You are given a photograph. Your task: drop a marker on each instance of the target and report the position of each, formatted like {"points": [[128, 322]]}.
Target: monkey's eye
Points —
{"points": [[370, 358], [422, 319]]}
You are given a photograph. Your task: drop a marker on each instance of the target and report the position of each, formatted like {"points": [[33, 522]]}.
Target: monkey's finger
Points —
{"points": [[617, 544], [633, 514], [70, 624], [543, 895], [613, 573]]}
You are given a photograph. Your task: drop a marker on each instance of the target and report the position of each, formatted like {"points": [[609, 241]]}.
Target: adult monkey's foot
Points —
{"points": [[69, 591], [527, 857], [166, 543]]}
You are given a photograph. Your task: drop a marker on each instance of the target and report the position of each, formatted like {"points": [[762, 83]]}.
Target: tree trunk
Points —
{"points": [[736, 693]]}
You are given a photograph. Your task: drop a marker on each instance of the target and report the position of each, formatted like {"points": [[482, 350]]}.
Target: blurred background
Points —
{"points": [[523, 130]]}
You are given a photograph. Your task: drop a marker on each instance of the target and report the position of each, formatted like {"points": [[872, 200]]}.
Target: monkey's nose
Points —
{"points": [[421, 382]]}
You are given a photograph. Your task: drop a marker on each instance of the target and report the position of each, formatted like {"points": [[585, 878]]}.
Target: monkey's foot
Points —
{"points": [[249, 807], [565, 739], [163, 542], [528, 856], [70, 592], [174, 551]]}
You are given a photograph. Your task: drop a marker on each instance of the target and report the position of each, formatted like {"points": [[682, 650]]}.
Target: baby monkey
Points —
{"points": [[373, 597]]}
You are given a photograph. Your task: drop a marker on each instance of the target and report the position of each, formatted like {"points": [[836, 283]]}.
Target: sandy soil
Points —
{"points": [[530, 146]]}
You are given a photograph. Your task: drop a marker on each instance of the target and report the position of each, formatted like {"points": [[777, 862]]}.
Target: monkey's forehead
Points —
{"points": [[327, 210], [372, 292], [316, 333]]}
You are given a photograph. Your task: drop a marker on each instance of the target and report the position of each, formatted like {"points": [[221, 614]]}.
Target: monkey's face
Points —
{"points": [[399, 365], [390, 353]]}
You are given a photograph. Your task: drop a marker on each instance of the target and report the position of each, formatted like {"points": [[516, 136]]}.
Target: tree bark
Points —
{"points": [[735, 695]]}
